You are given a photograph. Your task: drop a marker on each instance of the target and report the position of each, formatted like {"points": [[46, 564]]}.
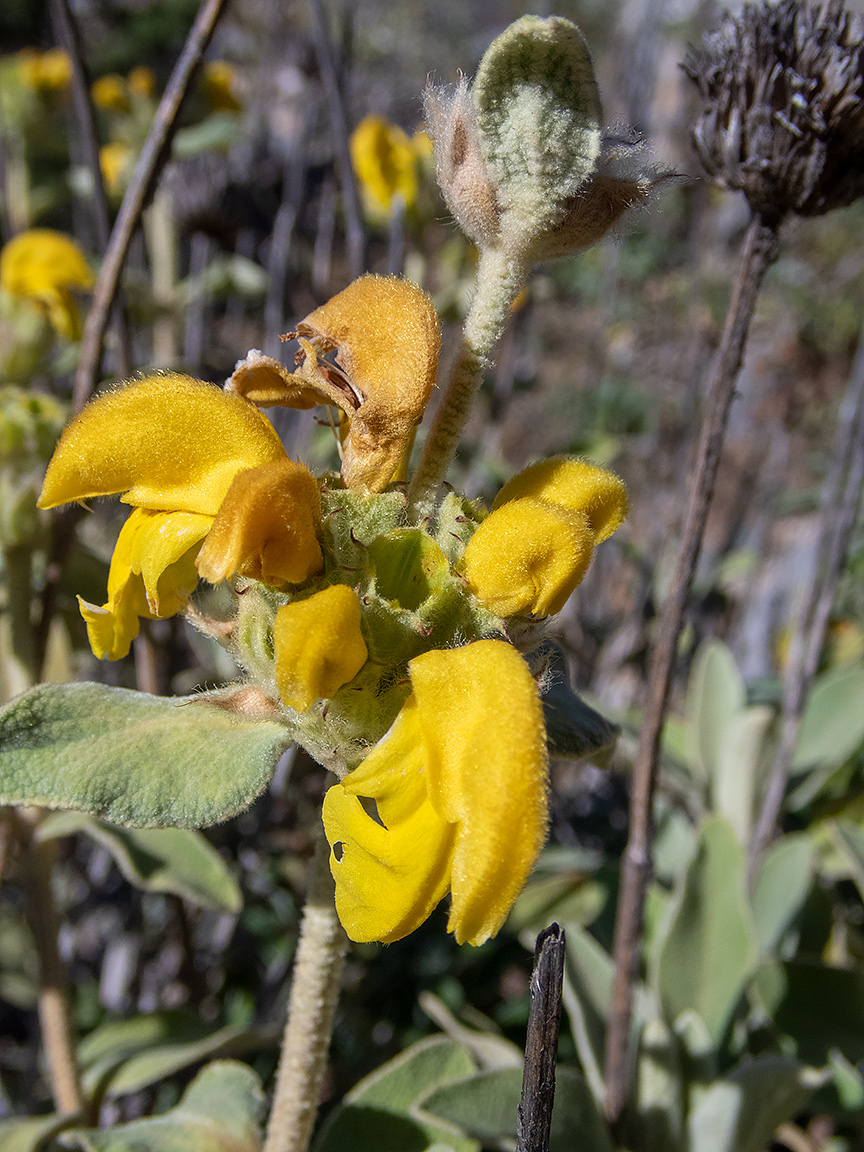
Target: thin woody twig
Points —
{"points": [[67, 34], [54, 1015], [839, 508], [541, 1044], [758, 253], [355, 233], [153, 155]]}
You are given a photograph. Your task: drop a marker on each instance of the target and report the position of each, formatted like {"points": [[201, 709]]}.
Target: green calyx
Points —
{"points": [[411, 599]]}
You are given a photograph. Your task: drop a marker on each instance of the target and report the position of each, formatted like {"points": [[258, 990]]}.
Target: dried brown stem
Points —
{"points": [[759, 251], [355, 233], [54, 1015], [314, 994], [541, 1044], [66, 29], [841, 498], [153, 156]]}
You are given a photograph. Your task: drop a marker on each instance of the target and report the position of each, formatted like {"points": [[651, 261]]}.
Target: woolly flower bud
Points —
{"points": [[783, 117], [521, 159]]}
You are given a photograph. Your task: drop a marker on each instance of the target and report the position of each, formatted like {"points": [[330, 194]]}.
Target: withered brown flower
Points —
{"points": [[783, 114]]}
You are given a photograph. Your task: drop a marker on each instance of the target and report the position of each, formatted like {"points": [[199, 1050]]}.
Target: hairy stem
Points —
{"points": [[758, 253], [54, 1015], [499, 278], [314, 994], [841, 499]]}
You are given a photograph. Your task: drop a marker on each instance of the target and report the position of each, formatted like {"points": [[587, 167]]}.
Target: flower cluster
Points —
{"points": [[399, 654]]}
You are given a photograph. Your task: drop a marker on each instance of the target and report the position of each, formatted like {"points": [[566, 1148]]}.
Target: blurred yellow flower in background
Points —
{"points": [[109, 93], [114, 161], [142, 82], [385, 163], [44, 267], [49, 71], [219, 81]]}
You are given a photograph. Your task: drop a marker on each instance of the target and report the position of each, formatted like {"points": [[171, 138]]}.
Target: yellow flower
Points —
{"points": [[385, 163], [43, 266], [220, 87], [109, 93], [114, 161], [177, 449], [459, 783], [142, 82], [386, 336], [49, 71], [535, 546]]}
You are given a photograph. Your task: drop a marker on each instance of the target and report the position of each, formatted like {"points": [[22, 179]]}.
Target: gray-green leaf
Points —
{"points": [[134, 759], [219, 1112], [178, 860], [710, 950], [485, 1106], [380, 1112], [741, 1111]]}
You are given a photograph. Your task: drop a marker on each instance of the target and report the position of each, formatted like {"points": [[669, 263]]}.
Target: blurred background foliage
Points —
{"points": [[181, 953]]}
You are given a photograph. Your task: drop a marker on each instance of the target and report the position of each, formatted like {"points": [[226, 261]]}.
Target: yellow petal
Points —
{"points": [[110, 631], [266, 528], [163, 553], [527, 556], [319, 646], [575, 484], [385, 162], [386, 335], [152, 574], [169, 442], [389, 875], [485, 746]]}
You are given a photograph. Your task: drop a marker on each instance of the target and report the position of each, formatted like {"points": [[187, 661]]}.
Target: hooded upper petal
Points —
{"points": [[168, 442], [266, 527], [527, 557], [386, 337], [575, 484], [485, 742]]}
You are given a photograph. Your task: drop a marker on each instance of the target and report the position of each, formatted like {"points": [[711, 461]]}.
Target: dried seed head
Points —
{"points": [[783, 115]]}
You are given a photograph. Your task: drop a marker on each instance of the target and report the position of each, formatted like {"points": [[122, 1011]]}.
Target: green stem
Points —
{"points": [[314, 994], [499, 278]]}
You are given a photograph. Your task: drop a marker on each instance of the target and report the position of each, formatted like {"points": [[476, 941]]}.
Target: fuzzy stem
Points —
{"points": [[54, 1014], [314, 994], [758, 253], [499, 278], [840, 503]]}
